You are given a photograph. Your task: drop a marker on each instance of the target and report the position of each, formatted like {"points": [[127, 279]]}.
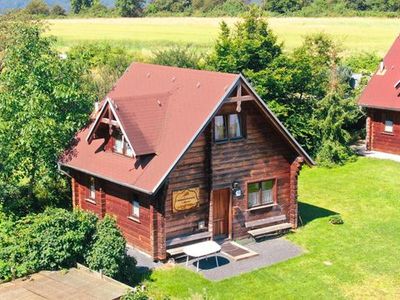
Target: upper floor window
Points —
{"points": [[121, 145], [389, 126], [227, 127]]}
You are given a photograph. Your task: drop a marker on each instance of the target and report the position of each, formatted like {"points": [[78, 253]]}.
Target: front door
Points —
{"points": [[221, 212]]}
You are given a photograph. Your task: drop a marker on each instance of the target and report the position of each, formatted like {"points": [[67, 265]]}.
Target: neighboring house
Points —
{"points": [[381, 98], [182, 155]]}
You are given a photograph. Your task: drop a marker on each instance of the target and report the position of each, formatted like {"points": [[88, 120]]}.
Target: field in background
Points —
{"points": [[147, 34]]}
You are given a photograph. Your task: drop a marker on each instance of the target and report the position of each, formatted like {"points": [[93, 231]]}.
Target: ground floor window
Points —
{"points": [[135, 209], [260, 193], [388, 126], [92, 189]]}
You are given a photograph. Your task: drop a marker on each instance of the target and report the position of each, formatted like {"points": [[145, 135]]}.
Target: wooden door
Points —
{"points": [[221, 212]]}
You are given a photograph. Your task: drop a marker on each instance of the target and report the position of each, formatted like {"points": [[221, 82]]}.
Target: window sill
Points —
{"points": [[92, 201], [229, 140], [387, 133], [262, 207], [136, 220]]}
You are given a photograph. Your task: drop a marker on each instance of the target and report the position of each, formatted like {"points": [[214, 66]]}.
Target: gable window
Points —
{"points": [[135, 209], [261, 193], [227, 127], [389, 126], [121, 144], [92, 189]]}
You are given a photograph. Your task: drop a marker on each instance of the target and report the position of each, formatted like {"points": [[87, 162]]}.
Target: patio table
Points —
{"points": [[202, 250]]}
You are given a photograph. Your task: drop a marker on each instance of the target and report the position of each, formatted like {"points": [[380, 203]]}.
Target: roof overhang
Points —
{"points": [[379, 107]]}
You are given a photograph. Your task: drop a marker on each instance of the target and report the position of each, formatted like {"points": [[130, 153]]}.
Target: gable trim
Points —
{"points": [[278, 124], [98, 118]]}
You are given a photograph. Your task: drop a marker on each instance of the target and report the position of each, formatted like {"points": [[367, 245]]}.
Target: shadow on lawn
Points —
{"points": [[308, 213]]}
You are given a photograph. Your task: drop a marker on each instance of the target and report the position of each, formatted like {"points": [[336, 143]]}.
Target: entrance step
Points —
{"points": [[236, 251]]}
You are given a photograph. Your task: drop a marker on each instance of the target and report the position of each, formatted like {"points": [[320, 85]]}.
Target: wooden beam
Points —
{"points": [[241, 98], [108, 121]]}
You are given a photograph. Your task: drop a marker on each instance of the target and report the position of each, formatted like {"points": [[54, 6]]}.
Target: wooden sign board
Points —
{"points": [[185, 199]]}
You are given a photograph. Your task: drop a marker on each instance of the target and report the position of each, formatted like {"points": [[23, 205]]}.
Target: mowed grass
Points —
{"points": [[148, 34], [356, 260]]}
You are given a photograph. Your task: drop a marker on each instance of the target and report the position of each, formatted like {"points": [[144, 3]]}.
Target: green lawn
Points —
{"points": [[364, 252], [147, 34]]}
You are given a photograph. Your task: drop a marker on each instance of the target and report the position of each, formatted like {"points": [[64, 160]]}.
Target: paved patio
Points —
{"points": [[269, 252], [360, 149]]}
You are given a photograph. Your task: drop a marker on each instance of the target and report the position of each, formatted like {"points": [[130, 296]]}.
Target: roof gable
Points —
{"points": [[382, 91]]}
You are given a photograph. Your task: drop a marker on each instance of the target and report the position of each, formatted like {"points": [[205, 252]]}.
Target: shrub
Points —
{"points": [[336, 220], [58, 10], [107, 253], [37, 7], [177, 56]]}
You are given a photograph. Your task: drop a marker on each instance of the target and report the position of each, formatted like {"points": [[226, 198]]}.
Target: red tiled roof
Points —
{"points": [[162, 110], [381, 91]]}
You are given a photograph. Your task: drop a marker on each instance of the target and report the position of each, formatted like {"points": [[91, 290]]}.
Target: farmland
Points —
{"points": [[147, 34]]}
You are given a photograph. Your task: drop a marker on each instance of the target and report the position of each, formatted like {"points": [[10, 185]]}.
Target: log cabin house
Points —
{"points": [[381, 99], [180, 155]]}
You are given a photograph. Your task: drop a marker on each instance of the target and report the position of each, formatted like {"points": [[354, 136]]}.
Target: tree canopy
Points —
{"points": [[44, 101]]}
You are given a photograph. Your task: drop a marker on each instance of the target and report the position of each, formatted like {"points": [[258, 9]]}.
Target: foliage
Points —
{"points": [[129, 8], [37, 7], [106, 63], [365, 62], [178, 56], [107, 253], [57, 239], [39, 115], [294, 85], [175, 6], [250, 46], [77, 5], [336, 220], [97, 10], [137, 294], [229, 8], [58, 10], [50, 240]]}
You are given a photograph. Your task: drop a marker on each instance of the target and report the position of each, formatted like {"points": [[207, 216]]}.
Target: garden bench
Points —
{"points": [[259, 232]]}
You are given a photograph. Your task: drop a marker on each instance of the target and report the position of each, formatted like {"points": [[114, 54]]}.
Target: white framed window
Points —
{"points": [[92, 189], [121, 144], [135, 209], [388, 126]]}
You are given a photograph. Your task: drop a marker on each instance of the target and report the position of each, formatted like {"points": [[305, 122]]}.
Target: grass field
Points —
{"points": [[363, 252], [147, 34]]}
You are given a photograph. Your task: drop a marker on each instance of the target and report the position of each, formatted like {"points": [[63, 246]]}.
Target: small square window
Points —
{"points": [[388, 126], [135, 213], [260, 193]]}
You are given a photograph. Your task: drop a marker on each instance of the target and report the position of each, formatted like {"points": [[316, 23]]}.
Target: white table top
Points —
{"points": [[202, 249]]}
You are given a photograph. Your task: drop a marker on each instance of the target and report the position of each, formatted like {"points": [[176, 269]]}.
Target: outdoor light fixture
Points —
{"points": [[236, 190]]}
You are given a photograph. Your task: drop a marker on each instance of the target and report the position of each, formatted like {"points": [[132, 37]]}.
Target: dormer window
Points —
{"points": [[227, 127], [121, 145]]}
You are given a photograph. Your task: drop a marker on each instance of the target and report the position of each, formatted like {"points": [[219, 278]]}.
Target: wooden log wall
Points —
{"points": [[379, 139]]}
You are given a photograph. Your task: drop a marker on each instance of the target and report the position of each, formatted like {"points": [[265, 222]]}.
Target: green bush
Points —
{"points": [[336, 220], [178, 56], [58, 10], [37, 7], [57, 239], [107, 253]]}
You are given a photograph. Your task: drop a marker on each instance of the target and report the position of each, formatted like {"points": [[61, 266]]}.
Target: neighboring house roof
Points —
{"points": [[161, 110], [382, 90], [74, 283]]}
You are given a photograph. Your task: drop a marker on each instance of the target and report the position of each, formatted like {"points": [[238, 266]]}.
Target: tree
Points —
{"points": [[77, 5], [182, 57], [37, 7], [58, 10], [129, 8], [44, 100], [250, 46]]}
